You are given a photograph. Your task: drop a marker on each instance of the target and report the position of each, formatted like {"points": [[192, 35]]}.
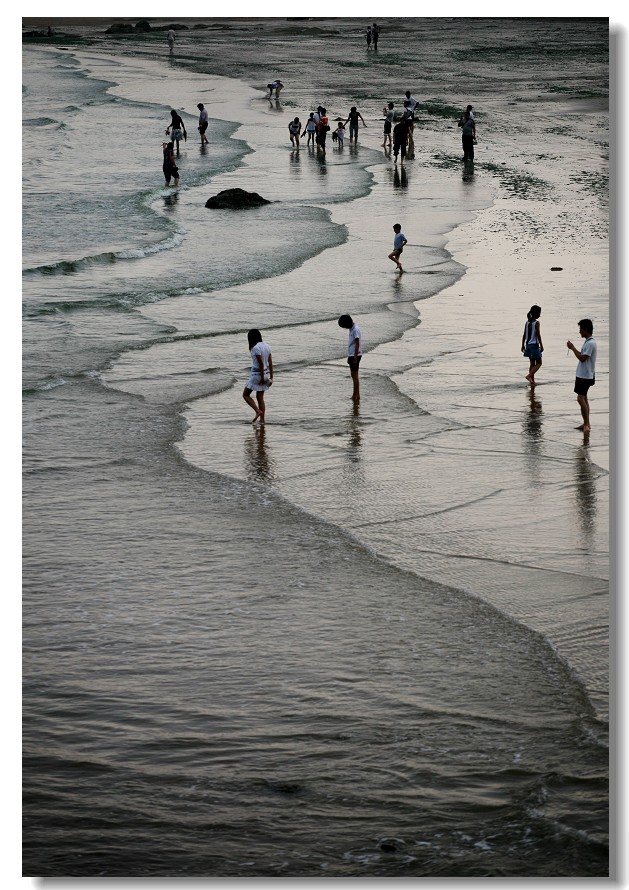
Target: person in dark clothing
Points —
{"points": [[400, 139], [468, 135], [169, 165]]}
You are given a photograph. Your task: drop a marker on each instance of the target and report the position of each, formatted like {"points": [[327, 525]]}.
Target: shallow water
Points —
{"points": [[338, 645]]}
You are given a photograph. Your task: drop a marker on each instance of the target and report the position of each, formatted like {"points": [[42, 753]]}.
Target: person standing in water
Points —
{"points": [[352, 117], [468, 135], [368, 37], [178, 129], [170, 37], [203, 122], [586, 369], [354, 352], [294, 129], [398, 246], [389, 114], [261, 377], [169, 165], [375, 31], [532, 346]]}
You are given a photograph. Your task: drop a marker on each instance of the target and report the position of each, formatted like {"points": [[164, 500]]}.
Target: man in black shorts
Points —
{"points": [[585, 370]]}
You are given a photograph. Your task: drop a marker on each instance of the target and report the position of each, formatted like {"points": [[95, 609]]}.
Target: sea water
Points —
{"points": [[338, 645]]}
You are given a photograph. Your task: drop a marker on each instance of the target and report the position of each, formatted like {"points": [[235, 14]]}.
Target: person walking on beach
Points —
{"points": [[203, 122], [398, 246], [368, 37], [375, 31], [294, 129], [261, 377], [389, 114], [400, 139], [532, 346], [412, 101], [354, 352], [352, 117], [322, 128], [468, 135], [170, 37], [310, 129], [586, 369], [169, 165], [178, 129], [339, 133]]}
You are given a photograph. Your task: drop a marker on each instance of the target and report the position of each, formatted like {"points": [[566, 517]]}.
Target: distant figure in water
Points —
{"points": [[203, 122], [389, 114], [375, 30], [400, 139], [468, 135], [278, 86], [169, 165], [170, 37], [352, 117], [398, 246], [50, 31], [368, 37], [586, 368], [354, 352], [261, 377], [532, 347], [178, 129]]}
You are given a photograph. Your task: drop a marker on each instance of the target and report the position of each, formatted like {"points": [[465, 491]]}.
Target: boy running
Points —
{"points": [[398, 246]]}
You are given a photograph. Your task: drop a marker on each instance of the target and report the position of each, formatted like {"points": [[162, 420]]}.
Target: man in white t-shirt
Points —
{"points": [[586, 369], [170, 37], [354, 352]]}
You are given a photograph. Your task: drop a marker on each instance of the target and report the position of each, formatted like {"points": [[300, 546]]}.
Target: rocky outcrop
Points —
{"points": [[235, 199], [118, 28]]}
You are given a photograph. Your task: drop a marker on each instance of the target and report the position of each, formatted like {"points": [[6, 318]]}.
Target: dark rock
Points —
{"points": [[200, 27], [556, 268], [119, 29], [178, 28], [234, 199], [143, 27]]}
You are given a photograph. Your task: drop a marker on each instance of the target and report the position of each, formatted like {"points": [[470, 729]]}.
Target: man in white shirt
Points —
{"points": [[170, 37], [354, 352], [586, 368]]}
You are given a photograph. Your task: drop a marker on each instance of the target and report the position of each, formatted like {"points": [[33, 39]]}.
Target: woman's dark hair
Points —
{"points": [[534, 312], [345, 321], [173, 113], [254, 336]]}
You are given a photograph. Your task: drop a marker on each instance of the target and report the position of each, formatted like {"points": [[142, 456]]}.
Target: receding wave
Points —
{"points": [[68, 267]]}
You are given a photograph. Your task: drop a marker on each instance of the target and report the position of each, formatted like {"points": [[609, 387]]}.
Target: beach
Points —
{"points": [[361, 640]]}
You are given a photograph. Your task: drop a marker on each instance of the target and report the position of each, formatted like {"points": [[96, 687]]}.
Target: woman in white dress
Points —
{"points": [[261, 377]]}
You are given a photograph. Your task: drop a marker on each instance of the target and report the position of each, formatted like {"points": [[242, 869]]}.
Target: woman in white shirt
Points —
{"points": [[261, 376]]}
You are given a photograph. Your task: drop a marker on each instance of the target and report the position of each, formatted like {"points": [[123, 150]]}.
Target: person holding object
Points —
{"points": [[586, 369], [178, 129]]}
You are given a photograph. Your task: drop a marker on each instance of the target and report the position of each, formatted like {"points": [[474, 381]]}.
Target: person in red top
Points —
{"points": [[322, 129]]}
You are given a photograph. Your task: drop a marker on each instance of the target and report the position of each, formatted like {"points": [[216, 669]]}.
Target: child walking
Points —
{"points": [[532, 347], [398, 246], [310, 129], [261, 376], [340, 133], [294, 128]]}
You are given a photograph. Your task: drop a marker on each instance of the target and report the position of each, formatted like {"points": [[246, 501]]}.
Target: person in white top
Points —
{"points": [[354, 352], [586, 376], [170, 37], [261, 377]]}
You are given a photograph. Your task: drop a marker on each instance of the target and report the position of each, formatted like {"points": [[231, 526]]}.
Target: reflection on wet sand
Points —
{"points": [[586, 474], [259, 463]]}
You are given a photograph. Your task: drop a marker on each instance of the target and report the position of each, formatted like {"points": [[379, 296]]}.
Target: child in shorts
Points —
{"points": [[398, 246]]}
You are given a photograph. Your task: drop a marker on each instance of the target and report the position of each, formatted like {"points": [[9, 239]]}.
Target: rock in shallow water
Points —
{"points": [[235, 199]]}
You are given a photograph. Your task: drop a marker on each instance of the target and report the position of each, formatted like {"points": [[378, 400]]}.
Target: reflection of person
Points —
{"points": [[261, 376], [532, 346], [398, 246], [586, 368], [203, 122], [178, 128], [170, 37], [468, 135], [169, 165], [354, 352]]}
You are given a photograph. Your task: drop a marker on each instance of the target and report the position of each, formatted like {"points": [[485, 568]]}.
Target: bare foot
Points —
{"points": [[400, 269], [581, 427], [258, 415], [586, 429], [529, 378]]}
